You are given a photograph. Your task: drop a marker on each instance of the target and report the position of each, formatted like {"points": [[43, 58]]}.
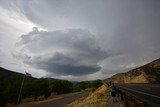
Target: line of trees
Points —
{"points": [[40, 87]]}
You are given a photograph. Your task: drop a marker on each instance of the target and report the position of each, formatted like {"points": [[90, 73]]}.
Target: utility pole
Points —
{"points": [[20, 91]]}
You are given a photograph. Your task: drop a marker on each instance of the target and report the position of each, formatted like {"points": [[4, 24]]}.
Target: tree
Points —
{"points": [[2, 98], [96, 83], [11, 89], [41, 88], [61, 86]]}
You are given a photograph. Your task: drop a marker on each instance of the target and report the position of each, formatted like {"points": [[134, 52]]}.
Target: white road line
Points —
{"points": [[140, 92]]}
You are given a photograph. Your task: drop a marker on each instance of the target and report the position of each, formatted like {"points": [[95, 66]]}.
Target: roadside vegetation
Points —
{"points": [[35, 88], [96, 98]]}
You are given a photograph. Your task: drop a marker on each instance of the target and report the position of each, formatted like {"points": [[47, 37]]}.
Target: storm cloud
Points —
{"points": [[78, 39], [65, 52]]}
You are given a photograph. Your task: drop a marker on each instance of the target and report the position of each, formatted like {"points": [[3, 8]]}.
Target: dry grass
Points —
{"points": [[97, 98]]}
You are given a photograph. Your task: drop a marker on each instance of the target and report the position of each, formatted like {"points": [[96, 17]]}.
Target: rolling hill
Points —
{"points": [[7, 74], [149, 73]]}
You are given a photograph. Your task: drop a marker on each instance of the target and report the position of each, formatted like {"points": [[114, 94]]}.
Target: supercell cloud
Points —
{"points": [[78, 39], [65, 52]]}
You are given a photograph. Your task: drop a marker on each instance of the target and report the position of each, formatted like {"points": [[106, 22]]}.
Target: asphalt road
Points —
{"points": [[59, 101], [149, 93]]}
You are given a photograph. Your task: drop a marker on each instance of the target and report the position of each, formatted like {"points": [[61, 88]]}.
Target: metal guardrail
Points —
{"points": [[135, 98]]}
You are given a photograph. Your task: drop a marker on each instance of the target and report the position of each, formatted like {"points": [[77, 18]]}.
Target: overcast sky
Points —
{"points": [[78, 39]]}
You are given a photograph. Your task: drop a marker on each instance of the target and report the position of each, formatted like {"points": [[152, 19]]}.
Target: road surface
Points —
{"points": [[149, 93], [59, 101]]}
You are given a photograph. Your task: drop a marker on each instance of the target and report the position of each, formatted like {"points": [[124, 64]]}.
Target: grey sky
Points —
{"points": [[78, 39]]}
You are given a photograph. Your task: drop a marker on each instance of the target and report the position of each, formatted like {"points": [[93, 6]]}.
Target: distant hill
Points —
{"points": [[7, 74], [149, 73]]}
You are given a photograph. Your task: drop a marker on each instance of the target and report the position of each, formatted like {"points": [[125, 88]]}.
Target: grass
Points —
{"points": [[97, 98]]}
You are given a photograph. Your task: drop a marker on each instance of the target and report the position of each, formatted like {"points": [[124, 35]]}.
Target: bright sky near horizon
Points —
{"points": [[78, 39]]}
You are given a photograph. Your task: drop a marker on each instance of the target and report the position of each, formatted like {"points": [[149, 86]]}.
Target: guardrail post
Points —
{"points": [[126, 100], [139, 104], [121, 94], [131, 101]]}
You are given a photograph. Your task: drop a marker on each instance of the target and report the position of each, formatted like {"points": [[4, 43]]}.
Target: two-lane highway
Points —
{"points": [[149, 93], [59, 101]]}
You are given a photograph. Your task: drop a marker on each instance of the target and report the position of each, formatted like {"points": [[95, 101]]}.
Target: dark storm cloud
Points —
{"points": [[64, 65], [128, 29], [66, 52]]}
